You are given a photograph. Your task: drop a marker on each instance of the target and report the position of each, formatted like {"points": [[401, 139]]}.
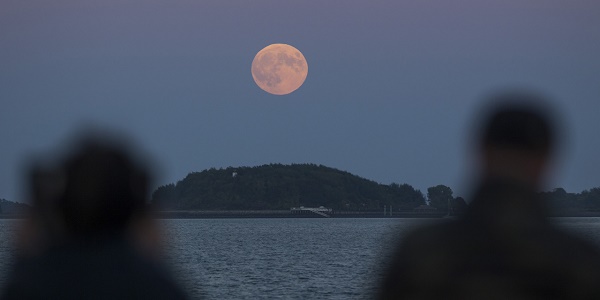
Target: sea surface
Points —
{"points": [[284, 258]]}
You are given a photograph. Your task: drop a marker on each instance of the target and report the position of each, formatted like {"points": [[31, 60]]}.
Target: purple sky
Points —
{"points": [[391, 91]]}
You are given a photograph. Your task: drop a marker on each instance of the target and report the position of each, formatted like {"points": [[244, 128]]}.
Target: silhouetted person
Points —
{"points": [[504, 247], [90, 235]]}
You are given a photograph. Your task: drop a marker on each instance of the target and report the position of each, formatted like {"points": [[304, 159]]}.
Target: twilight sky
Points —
{"points": [[391, 91]]}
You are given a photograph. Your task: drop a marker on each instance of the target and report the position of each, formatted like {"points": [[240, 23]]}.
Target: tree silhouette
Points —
{"points": [[439, 196]]}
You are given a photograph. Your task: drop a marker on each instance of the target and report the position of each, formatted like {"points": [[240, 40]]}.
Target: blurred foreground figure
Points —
{"points": [[503, 247], [90, 235]]}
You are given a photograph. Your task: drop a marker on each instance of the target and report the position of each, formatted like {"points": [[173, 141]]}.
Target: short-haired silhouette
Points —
{"points": [[504, 247], [87, 241]]}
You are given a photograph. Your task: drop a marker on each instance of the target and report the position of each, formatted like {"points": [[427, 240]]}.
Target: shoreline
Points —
{"points": [[261, 214], [283, 214], [287, 214]]}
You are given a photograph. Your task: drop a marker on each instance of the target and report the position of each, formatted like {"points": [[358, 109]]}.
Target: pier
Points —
{"points": [[322, 211]]}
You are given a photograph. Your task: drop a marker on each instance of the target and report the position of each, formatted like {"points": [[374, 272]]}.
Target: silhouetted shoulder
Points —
{"points": [[455, 260], [420, 263], [105, 270]]}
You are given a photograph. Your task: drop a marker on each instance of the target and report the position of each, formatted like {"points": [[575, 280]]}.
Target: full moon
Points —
{"points": [[279, 69]]}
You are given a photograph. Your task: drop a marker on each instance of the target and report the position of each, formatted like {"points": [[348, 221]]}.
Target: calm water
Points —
{"points": [[281, 258], [285, 258], [6, 249]]}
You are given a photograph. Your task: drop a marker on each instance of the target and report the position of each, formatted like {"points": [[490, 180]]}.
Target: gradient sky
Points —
{"points": [[391, 91]]}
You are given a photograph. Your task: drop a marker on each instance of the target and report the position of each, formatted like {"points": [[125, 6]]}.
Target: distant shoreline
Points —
{"points": [[287, 214], [284, 214], [264, 214]]}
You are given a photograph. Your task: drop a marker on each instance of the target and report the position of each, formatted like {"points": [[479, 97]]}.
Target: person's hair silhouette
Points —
{"points": [[517, 139], [503, 247], [104, 190]]}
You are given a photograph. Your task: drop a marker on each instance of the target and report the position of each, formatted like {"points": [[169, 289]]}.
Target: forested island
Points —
{"points": [[278, 187], [281, 187]]}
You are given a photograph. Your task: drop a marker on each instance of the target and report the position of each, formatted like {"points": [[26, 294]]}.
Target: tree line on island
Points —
{"points": [[281, 187], [12, 208]]}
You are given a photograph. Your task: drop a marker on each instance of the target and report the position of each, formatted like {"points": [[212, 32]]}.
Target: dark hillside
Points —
{"points": [[277, 186], [12, 208]]}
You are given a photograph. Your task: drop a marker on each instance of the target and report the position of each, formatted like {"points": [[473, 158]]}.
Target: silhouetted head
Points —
{"points": [[104, 189], [517, 137]]}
